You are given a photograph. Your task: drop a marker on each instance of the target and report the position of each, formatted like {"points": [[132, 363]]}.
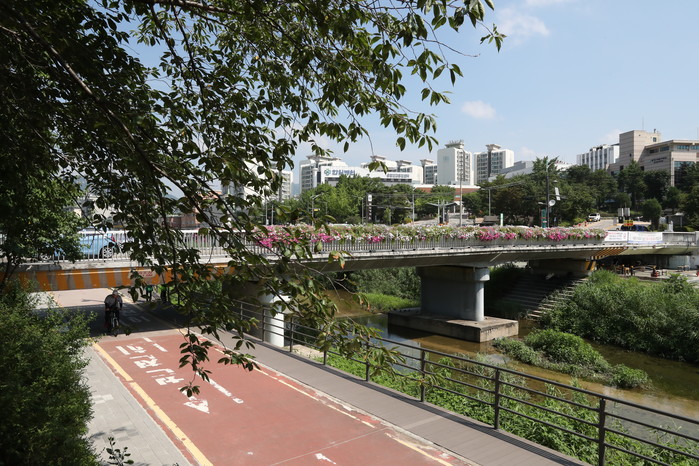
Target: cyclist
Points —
{"points": [[112, 303]]}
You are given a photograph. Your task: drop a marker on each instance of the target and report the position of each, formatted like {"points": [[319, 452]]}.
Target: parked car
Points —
{"points": [[634, 228], [92, 244], [594, 217]]}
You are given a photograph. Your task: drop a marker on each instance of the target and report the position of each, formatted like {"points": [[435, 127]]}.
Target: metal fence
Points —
{"points": [[618, 431]]}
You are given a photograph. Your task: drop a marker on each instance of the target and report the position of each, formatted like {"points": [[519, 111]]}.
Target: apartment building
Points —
{"points": [[492, 162], [455, 166], [429, 171], [599, 157]]}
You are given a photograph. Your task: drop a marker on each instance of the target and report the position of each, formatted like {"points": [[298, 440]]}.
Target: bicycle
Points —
{"points": [[113, 324]]}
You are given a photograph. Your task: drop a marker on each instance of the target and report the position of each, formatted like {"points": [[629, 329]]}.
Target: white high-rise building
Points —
{"points": [[284, 192], [455, 166], [492, 162], [599, 157], [310, 170], [429, 171], [397, 171], [319, 170]]}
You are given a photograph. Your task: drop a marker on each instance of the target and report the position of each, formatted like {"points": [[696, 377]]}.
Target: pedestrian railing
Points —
{"points": [[594, 427]]}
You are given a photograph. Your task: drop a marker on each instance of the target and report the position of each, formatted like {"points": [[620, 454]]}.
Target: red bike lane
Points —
{"points": [[258, 417]]}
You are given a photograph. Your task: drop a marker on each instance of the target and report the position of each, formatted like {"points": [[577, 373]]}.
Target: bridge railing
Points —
{"points": [[208, 244], [601, 429]]}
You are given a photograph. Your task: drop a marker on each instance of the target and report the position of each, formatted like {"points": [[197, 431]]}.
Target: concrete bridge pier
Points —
{"points": [[454, 291], [453, 304], [273, 328]]}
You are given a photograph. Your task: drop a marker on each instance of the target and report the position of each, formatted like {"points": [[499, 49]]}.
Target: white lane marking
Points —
{"points": [[221, 389], [200, 405], [322, 457]]}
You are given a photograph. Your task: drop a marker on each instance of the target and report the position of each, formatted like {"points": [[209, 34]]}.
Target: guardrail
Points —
{"points": [[208, 245], [610, 430]]}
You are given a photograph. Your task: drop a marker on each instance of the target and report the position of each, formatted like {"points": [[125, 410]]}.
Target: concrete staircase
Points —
{"points": [[538, 294]]}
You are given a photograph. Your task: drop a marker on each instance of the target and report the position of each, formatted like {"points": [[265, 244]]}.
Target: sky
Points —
{"points": [[571, 75]]}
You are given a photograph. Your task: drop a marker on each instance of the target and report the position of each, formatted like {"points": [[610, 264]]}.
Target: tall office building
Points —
{"points": [[631, 145], [455, 165], [492, 162]]}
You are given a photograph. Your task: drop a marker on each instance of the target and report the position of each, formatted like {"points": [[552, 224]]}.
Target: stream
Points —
{"points": [[675, 385]]}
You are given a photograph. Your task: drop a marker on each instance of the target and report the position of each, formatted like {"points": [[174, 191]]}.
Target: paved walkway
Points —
{"points": [[119, 415], [154, 441]]}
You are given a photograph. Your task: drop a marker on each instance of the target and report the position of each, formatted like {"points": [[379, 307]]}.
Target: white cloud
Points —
{"points": [[611, 137], [519, 26], [478, 109]]}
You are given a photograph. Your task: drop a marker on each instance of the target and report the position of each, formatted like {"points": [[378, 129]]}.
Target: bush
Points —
{"points": [[569, 354], [384, 303], [566, 348], [401, 282], [659, 319], [625, 377], [518, 350], [44, 402]]}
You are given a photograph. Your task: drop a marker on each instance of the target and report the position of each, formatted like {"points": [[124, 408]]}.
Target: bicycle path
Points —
{"points": [[282, 414], [239, 417]]}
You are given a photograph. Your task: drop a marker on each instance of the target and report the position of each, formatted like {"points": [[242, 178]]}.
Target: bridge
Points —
{"points": [[453, 268]]}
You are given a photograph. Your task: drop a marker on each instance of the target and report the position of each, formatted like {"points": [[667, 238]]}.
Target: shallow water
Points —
{"points": [[675, 384]]}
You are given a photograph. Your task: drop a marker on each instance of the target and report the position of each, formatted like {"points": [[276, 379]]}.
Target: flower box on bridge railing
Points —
{"points": [[360, 238]]}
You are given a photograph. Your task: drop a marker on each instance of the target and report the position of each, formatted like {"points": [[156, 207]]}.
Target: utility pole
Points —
{"points": [[548, 198], [413, 216]]}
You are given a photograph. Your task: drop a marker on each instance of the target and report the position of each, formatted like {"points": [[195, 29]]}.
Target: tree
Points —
{"points": [[673, 198], [690, 206], [686, 176], [44, 402], [237, 88], [657, 183], [513, 203], [33, 218], [577, 205], [427, 205], [631, 181], [604, 187], [652, 211], [472, 203]]}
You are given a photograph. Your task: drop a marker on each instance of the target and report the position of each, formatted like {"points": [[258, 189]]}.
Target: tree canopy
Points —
{"points": [[227, 93]]}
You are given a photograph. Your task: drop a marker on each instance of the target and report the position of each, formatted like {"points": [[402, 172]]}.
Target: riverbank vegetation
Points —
{"points": [[444, 388], [660, 319], [570, 354], [384, 290]]}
